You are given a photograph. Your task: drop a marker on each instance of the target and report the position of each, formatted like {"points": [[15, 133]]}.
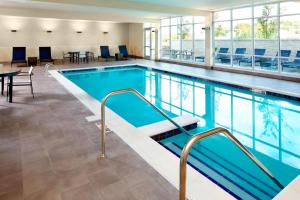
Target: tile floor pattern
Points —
{"points": [[49, 151]]}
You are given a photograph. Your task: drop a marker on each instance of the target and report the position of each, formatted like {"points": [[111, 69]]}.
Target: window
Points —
{"points": [[165, 42], [263, 37], [183, 38]]}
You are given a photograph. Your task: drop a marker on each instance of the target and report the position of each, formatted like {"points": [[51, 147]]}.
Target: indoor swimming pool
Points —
{"points": [[267, 125]]}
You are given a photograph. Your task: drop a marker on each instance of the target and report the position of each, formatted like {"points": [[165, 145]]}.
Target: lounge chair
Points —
{"points": [[23, 83], [284, 57], [222, 53], [18, 55], [45, 55], [238, 55], [104, 50], [123, 51], [258, 53], [295, 63]]}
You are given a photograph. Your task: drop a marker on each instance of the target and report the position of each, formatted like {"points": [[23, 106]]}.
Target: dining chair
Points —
{"points": [[23, 83]]}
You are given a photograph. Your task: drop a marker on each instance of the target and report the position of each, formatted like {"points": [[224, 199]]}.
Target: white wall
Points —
{"points": [[32, 34], [136, 39]]}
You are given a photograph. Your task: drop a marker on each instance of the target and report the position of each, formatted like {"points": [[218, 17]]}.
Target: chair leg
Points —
{"points": [[32, 91], [7, 88]]}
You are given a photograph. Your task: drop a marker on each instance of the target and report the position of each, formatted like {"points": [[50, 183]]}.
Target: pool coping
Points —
{"points": [[122, 128], [162, 160]]}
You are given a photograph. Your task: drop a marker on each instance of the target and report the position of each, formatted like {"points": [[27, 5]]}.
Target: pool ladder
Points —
{"points": [[187, 148]]}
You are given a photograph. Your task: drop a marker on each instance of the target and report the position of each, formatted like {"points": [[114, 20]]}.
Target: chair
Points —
{"points": [[18, 55], [238, 55], [66, 56], [284, 57], [83, 57], [23, 83], [90, 56], [123, 51], [45, 55], [220, 55], [258, 53], [104, 50], [295, 63]]}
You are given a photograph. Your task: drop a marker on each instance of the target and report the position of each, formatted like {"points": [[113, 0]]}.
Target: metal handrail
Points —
{"points": [[187, 148], [103, 102]]}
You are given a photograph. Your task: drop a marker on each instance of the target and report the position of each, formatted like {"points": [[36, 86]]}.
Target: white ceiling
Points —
{"points": [[115, 10]]}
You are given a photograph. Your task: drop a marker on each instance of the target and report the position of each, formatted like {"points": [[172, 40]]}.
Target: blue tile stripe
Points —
{"points": [[236, 166], [231, 171], [219, 173], [204, 174]]}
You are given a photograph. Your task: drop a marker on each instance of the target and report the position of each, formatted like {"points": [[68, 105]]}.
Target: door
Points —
{"points": [[150, 43]]}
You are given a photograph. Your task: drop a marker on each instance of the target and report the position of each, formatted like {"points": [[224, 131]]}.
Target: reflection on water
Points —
{"points": [[263, 123]]}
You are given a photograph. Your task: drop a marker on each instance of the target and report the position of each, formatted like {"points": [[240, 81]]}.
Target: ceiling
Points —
{"points": [[114, 10]]}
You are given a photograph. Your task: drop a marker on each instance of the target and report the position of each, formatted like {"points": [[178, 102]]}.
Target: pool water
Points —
{"points": [[268, 126]]}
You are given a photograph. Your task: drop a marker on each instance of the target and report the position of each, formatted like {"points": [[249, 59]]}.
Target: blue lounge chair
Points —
{"points": [[45, 55], [221, 54], [295, 63], [104, 50], [123, 51], [238, 55], [18, 55], [258, 53], [284, 57]]}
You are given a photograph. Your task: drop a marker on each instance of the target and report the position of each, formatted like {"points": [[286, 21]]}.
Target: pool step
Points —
{"points": [[166, 126], [231, 178]]}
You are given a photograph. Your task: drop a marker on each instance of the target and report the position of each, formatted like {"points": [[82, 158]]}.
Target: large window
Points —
{"points": [[261, 37], [183, 38]]}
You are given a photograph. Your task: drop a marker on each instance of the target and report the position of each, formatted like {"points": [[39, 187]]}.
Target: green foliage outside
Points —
{"points": [[265, 27], [221, 31]]}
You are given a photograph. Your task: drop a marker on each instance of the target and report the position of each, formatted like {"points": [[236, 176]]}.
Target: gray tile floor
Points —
{"points": [[49, 151]]}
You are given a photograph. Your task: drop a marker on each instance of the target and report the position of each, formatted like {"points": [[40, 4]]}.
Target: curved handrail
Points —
{"points": [[187, 148], [103, 102]]}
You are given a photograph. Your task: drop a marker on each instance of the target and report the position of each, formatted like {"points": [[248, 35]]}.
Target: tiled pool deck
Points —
{"points": [[49, 151]]}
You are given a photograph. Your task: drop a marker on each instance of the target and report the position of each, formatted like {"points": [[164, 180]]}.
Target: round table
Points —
{"points": [[10, 73]]}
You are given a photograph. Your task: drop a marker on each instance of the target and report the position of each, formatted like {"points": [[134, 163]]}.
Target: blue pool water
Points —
{"points": [[268, 126]]}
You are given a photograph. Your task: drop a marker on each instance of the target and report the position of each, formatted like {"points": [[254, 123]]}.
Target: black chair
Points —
{"points": [[45, 55], [123, 51], [104, 50], [23, 83], [18, 55]]}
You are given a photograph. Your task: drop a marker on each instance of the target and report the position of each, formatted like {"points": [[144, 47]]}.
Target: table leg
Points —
{"points": [[2, 85], [10, 88]]}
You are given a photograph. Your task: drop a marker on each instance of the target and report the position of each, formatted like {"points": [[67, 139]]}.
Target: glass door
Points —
{"points": [[149, 43]]}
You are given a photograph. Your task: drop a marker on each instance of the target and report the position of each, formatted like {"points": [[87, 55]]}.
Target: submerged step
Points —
{"points": [[166, 126]]}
